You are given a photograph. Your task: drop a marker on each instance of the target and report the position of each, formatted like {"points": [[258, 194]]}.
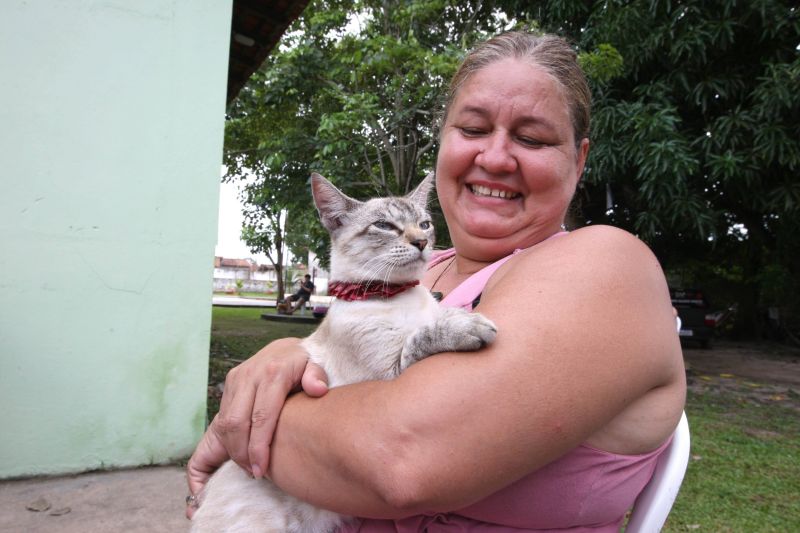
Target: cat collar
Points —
{"points": [[350, 291]]}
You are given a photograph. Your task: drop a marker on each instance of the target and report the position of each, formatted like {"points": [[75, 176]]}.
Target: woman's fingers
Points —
{"points": [[232, 423], [280, 376], [207, 457], [315, 380], [254, 394]]}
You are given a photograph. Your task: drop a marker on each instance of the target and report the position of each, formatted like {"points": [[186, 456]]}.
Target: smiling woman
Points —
{"points": [[480, 190], [556, 425], [508, 165]]}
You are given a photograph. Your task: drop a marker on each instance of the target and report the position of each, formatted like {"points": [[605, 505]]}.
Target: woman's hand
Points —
{"points": [[255, 392]]}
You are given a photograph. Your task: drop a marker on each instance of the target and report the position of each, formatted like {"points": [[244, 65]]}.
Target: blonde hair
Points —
{"points": [[550, 52]]}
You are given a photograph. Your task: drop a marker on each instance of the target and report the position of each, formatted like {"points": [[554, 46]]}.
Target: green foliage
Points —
{"points": [[695, 136], [352, 92], [603, 64], [698, 137]]}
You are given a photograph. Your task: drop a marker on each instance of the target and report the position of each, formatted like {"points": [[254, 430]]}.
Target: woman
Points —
{"points": [[558, 424]]}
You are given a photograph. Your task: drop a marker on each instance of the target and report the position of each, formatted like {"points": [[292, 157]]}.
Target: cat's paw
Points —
{"points": [[480, 332], [466, 332], [485, 329]]}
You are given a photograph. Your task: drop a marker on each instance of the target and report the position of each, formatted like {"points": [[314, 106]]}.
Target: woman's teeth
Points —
{"points": [[480, 190]]}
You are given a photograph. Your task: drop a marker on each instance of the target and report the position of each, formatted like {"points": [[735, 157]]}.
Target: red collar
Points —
{"points": [[350, 291]]}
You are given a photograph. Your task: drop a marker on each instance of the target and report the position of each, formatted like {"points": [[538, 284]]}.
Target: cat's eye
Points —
{"points": [[382, 224], [425, 225]]}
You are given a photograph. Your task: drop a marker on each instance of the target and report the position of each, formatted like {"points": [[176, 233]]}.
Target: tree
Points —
{"points": [[695, 129], [697, 142], [352, 92], [256, 138]]}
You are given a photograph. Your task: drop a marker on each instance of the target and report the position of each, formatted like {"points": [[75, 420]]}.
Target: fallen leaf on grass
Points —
{"points": [[762, 433], [692, 526], [696, 457], [38, 506]]}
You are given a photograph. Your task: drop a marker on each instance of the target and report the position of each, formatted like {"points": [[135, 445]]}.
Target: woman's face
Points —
{"points": [[508, 165]]}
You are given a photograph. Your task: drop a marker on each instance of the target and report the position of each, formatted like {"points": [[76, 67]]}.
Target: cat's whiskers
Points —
{"points": [[382, 269], [382, 266]]}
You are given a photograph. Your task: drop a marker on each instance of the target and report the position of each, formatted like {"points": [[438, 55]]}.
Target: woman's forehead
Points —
{"points": [[511, 85], [513, 76]]}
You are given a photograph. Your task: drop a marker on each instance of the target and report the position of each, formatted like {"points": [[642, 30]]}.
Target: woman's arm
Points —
{"points": [[254, 395], [454, 428]]}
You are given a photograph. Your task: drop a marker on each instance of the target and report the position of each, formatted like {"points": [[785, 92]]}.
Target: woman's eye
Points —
{"points": [[425, 225], [382, 224], [529, 141], [472, 132]]}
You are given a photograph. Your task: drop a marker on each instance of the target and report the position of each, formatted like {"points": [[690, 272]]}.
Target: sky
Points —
{"points": [[229, 229]]}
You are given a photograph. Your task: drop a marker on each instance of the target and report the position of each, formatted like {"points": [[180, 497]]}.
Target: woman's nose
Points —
{"points": [[495, 156]]}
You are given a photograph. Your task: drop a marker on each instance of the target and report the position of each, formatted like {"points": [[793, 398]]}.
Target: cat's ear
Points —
{"points": [[419, 196], [331, 203]]}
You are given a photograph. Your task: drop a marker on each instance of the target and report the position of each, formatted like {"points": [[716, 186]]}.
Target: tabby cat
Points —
{"points": [[381, 322]]}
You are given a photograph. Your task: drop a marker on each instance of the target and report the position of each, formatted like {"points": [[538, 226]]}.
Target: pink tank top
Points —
{"points": [[586, 490]]}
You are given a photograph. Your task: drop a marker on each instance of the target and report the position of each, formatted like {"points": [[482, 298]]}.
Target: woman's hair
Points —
{"points": [[550, 52]]}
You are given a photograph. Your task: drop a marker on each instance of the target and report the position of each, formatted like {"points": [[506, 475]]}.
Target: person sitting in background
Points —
{"points": [[299, 298]]}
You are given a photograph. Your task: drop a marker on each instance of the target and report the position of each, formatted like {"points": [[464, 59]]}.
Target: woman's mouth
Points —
{"points": [[481, 190]]}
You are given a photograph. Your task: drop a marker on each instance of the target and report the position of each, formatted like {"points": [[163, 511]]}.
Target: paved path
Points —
{"points": [[236, 301], [139, 500]]}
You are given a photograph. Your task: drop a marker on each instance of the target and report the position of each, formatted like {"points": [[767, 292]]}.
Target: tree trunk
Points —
{"points": [[749, 323]]}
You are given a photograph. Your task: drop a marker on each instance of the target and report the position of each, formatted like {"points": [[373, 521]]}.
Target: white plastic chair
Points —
{"points": [[655, 501]]}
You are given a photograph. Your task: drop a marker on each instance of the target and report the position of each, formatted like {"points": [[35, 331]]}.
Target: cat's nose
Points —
{"points": [[420, 243]]}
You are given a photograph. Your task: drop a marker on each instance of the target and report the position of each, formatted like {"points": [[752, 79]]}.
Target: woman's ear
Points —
{"points": [[583, 153]]}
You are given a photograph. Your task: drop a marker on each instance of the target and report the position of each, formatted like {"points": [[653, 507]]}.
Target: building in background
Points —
{"points": [[111, 135], [233, 275]]}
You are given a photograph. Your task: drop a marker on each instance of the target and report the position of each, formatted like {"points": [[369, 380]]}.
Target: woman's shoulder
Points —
{"points": [[604, 239], [600, 297], [592, 251]]}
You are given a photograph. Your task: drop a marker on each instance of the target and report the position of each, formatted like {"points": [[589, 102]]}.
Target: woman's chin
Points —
{"points": [[488, 225], [487, 233]]}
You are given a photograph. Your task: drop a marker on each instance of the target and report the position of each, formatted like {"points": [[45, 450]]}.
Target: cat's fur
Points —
{"points": [[386, 240]]}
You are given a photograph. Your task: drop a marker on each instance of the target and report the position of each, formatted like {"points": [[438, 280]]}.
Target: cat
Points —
{"points": [[381, 322]]}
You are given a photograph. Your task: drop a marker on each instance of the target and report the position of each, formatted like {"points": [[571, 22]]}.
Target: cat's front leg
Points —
{"points": [[454, 330]]}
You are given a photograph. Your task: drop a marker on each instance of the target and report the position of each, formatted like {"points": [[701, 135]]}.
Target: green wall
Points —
{"points": [[111, 129]]}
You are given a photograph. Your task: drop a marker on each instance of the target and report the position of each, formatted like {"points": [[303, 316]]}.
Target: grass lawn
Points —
{"points": [[744, 471], [236, 334], [744, 475]]}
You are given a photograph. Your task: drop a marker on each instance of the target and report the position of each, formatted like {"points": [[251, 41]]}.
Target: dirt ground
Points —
{"points": [[766, 372]]}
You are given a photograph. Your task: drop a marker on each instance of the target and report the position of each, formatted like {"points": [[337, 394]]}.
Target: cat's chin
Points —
{"points": [[391, 280], [407, 273], [411, 271]]}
